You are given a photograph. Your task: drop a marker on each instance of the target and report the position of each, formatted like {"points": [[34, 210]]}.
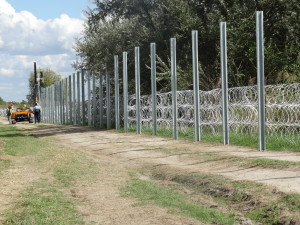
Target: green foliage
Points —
{"points": [[2, 102], [50, 77], [113, 27]]}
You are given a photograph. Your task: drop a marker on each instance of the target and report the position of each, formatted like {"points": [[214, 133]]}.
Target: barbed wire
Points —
{"points": [[282, 109]]}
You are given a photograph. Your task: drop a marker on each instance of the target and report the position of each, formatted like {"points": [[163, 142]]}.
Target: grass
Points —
{"points": [[151, 193], [45, 202], [4, 165], [268, 163], [42, 204], [19, 142], [250, 199], [276, 142]]}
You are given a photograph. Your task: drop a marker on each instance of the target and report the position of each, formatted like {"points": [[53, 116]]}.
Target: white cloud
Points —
{"points": [[6, 72], [25, 39]]}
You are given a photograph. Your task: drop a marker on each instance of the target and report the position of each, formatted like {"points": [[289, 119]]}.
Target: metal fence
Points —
{"points": [[85, 99]]}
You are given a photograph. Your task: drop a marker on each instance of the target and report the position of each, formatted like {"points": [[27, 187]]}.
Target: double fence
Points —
{"points": [[85, 98]]}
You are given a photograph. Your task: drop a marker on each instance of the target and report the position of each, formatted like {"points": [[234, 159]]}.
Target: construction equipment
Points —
{"points": [[25, 114]]}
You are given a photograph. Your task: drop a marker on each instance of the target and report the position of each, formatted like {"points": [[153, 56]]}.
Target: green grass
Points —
{"points": [[151, 193], [277, 142], [45, 202], [72, 168], [19, 142], [251, 199], [43, 205], [268, 163], [4, 165]]}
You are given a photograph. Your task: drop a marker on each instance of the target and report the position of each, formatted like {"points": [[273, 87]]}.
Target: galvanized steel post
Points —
{"points": [[260, 79], [137, 90], [117, 103], [153, 87], [125, 91], [174, 87], [66, 101], [82, 97], [70, 100], [101, 101], [89, 99], [78, 98], [196, 86], [108, 109], [224, 75], [94, 100], [74, 99]]}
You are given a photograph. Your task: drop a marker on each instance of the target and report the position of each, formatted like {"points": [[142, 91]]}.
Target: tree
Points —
{"points": [[49, 78], [116, 26], [2, 102]]}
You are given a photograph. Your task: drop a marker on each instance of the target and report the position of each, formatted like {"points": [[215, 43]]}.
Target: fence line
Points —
{"points": [[241, 109]]}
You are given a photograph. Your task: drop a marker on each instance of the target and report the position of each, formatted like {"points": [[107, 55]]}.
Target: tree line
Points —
{"points": [[115, 26]]}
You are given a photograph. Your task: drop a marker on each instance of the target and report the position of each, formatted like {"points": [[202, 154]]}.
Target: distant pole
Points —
{"points": [[82, 97], [174, 87], [117, 103], [196, 85], [125, 91], [153, 86], [108, 105], [35, 81], [78, 98], [223, 44], [94, 100], [137, 90], [260, 79], [89, 110], [101, 100]]}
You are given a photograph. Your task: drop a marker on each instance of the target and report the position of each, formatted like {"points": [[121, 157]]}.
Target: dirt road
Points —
{"points": [[118, 152]]}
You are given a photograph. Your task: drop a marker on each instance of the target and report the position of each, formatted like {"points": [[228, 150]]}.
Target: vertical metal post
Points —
{"points": [[89, 99], [260, 79], [70, 101], [94, 100], [101, 101], [196, 86], [153, 86], [174, 87], [125, 91], [138, 90], [108, 109], [55, 92], [66, 100], [78, 98], [224, 75], [117, 103], [82, 97], [61, 101], [74, 100]]}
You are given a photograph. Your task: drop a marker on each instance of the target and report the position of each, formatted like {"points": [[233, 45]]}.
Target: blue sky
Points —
{"points": [[50, 9], [41, 31]]}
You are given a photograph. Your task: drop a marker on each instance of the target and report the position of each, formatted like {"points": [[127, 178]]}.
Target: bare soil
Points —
{"points": [[117, 153]]}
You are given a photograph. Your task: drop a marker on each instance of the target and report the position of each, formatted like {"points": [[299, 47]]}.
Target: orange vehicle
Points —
{"points": [[22, 115]]}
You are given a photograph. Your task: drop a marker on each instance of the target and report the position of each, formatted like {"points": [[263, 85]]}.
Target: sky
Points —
{"points": [[41, 31]]}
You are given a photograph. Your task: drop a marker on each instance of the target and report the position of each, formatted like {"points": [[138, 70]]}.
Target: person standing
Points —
{"points": [[9, 111], [37, 113]]}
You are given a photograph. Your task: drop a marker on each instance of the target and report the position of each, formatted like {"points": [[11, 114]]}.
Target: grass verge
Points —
{"points": [[46, 201], [151, 193], [42, 204], [275, 142], [245, 199]]}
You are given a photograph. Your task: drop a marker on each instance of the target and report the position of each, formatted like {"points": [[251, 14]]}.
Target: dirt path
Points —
{"points": [[131, 149], [118, 152]]}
